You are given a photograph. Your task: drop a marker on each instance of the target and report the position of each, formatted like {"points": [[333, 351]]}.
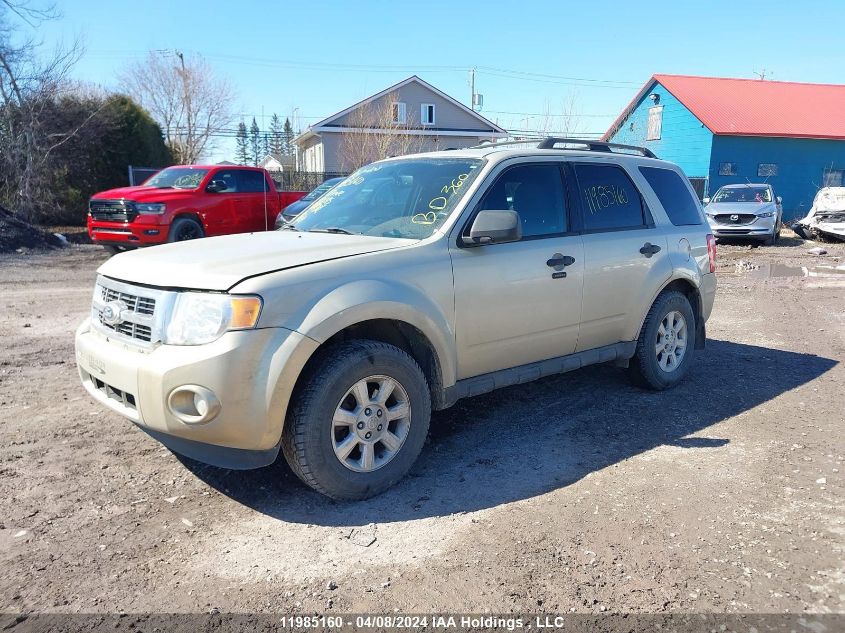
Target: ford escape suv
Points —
{"points": [[417, 281]]}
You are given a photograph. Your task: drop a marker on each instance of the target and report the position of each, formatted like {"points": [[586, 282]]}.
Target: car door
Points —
{"points": [[519, 302], [254, 202], [220, 206], [626, 259]]}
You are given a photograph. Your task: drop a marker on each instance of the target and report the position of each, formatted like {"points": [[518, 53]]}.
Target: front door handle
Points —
{"points": [[649, 249], [560, 261]]}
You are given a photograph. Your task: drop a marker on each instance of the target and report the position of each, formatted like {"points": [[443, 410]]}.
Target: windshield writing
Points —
{"points": [[177, 178], [406, 198]]}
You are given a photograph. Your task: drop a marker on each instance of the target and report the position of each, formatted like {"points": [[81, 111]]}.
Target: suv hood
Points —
{"points": [[219, 263], [144, 194], [740, 207]]}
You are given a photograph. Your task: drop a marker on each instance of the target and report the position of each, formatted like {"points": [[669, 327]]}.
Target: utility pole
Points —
{"points": [[188, 140], [472, 89]]}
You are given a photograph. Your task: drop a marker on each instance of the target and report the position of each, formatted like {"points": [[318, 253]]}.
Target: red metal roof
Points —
{"points": [[750, 107]]}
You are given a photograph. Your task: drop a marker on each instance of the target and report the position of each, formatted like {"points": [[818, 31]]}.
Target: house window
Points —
{"points": [[764, 170], [727, 169], [833, 177], [398, 110], [427, 114], [655, 123]]}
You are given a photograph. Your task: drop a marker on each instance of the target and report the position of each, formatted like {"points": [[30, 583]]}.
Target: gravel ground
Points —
{"points": [[576, 493]]}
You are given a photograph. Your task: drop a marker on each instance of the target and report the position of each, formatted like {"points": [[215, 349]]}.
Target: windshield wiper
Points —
{"points": [[332, 229], [287, 226]]}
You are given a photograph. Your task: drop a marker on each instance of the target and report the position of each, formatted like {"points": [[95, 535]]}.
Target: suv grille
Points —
{"points": [[136, 314], [742, 218], [112, 210], [136, 303]]}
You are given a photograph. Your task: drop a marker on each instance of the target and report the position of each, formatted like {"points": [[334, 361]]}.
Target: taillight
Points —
{"points": [[711, 252]]}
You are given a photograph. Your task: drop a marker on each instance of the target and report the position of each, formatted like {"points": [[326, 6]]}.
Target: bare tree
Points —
{"points": [[30, 83], [185, 97], [380, 136], [562, 120]]}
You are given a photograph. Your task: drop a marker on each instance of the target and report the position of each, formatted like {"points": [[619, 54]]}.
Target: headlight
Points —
{"points": [[200, 317], [768, 214], [154, 208]]}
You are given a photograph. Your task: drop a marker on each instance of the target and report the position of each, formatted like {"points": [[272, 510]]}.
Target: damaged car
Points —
{"points": [[826, 218]]}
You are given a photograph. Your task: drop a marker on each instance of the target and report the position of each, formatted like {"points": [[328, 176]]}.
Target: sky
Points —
{"points": [[309, 59]]}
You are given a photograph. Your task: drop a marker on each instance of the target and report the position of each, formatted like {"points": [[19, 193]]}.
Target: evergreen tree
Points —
{"points": [[277, 141], [241, 145], [255, 142], [287, 139]]}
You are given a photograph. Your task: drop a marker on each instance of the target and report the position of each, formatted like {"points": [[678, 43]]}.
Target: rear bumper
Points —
{"points": [[135, 233]]}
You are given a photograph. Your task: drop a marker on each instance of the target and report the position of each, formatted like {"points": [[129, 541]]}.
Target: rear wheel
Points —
{"points": [[184, 229], [666, 342], [360, 421]]}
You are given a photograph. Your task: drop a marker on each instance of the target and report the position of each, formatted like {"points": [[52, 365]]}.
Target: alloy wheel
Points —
{"points": [[671, 345], [371, 423]]}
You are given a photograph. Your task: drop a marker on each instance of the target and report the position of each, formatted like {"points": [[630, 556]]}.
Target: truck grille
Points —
{"points": [[136, 313], [741, 218], [112, 210]]}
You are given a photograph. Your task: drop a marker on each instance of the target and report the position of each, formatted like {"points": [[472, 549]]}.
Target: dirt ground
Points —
{"points": [[576, 493]]}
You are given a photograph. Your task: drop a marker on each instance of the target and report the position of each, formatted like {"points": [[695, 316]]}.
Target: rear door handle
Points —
{"points": [[560, 261], [649, 249]]}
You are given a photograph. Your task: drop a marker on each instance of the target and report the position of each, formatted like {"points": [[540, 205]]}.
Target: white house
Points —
{"points": [[412, 109]]}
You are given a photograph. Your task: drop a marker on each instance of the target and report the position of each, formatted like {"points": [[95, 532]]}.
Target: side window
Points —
{"points": [[535, 192], [609, 198], [674, 195], [250, 181], [230, 178]]}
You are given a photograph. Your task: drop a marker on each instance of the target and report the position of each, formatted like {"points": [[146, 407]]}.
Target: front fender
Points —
{"points": [[366, 300]]}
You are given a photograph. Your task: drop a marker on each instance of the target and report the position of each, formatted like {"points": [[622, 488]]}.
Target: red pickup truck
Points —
{"points": [[186, 202]]}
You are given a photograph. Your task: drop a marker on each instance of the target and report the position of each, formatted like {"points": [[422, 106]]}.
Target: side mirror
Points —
{"points": [[494, 227], [706, 201], [216, 186], [778, 199]]}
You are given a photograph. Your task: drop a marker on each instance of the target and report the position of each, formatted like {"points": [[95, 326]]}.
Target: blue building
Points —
{"points": [[728, 131]]}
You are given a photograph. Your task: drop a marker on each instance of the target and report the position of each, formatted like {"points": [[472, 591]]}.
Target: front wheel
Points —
{"points": [[359, 422], [184, 229], [666, 342]]}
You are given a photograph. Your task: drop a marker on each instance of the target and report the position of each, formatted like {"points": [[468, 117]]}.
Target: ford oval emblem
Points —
{"points": [[111, 312]]}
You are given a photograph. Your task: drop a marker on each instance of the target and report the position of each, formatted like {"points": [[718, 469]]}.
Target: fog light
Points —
{"points": [[193, 404]]}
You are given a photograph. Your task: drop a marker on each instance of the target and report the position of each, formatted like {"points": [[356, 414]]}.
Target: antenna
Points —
{"points": [[761, 74]]}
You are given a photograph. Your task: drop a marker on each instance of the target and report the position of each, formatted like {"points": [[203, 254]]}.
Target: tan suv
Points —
{"points": [[413, 283]]}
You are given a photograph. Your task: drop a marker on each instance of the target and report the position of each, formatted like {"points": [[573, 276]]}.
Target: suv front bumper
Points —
{"points": [[251, 373], [759, 228]]}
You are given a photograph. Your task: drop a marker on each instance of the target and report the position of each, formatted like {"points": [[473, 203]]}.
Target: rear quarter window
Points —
{"points": [[674, 194]]}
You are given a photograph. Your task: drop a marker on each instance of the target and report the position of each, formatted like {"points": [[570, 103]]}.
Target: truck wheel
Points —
{"points": [[185, 229], [113, 250], [664, 349], [359, 421]]}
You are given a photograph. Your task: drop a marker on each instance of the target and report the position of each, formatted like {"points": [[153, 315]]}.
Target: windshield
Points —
{"points": [[321, 189], [177, 178], [743, 194], [407, 198]]}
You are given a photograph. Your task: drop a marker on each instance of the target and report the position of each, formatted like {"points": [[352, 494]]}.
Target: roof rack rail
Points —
{"points": [[550, 142], [594, 146]]}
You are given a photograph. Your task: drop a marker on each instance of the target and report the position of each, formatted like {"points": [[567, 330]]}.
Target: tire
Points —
{"points": [[646, 367], [326, 417], [184, 229], [113, 250]]}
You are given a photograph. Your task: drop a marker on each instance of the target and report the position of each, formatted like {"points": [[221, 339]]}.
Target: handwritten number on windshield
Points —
{"points": [[440, 202]]}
